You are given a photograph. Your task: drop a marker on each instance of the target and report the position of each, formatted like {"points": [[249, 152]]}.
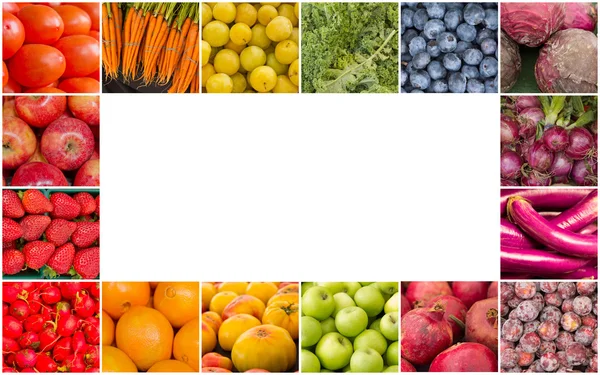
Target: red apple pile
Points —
{"points": [[50, 327], [55, 236], [51, 141]]}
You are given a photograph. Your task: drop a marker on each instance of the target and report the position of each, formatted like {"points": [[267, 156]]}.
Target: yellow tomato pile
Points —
{"points": [[153, 327], [249, 327], [250, 47]]}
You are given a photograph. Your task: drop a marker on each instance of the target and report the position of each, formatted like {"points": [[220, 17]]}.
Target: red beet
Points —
{"points": [[406, 366], [404, 305], [455, 313], [425, 334], [45, 363], [470, 291], [424, 291], [482, 323], [26, 358], [11, 327], [465, 357], [493, 290], [531, 23]]}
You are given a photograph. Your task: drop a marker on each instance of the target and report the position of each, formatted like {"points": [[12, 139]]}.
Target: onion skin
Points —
{"points": [[531, 24], [544, 199], [526, 101], [556, 138], [537, 261], [510, 165], [522, 213], [540, 157], [581, 144], [529, 118], [561, 166], [509, 130], [584, 172]]}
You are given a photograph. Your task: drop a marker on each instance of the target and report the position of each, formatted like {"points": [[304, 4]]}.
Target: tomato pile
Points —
{"points": [[50, 327], [50, 48]]}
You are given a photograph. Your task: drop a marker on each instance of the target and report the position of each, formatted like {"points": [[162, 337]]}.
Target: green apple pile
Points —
{"points": [[349, 327]]}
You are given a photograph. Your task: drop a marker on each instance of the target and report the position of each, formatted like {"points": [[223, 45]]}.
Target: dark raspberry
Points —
{"points": [[531, 326], [527, 311], [586, 288], [509, 358], [512, 330], [525, 289], [551, 313], [563, 340], [566, 290], [548, 330], [576, 354], [530, 342], [582, 305], [584, 335], [570, 322], [553, 299], [549, 362], [548, 286]]}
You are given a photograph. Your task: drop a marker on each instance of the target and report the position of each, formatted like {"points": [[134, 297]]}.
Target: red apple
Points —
{"points": [[38, 174], [40, 111], [68, 143], [88, 174], [37, 155], [96, 132], [86, 108], [18, 142], [8, 108]]}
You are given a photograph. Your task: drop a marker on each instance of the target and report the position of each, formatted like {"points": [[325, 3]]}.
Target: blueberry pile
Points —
{"points": [[449, 47]]}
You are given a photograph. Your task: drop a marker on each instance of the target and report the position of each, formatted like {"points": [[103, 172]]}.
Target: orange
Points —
{"points": [[145, 335], [238, 288], [115, 360], [153, 284], [209, 338], [213, 320], [186, 346], [220, 301], [233, 327], [108, 329], [179, 302], [262, 291], [171, 365], [208, 292], [119, 297]]}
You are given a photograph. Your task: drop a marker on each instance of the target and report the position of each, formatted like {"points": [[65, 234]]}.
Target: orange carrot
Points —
{"points": [[193, 65], [179, 46], [188, 57], [116, 13], [137, 57], [113, 43], [106, 39]]}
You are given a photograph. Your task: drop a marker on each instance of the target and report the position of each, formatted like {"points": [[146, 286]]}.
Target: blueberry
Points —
{"points": [[453, 18], [447, 42], [457, 83], [422, 35], [472, 56], [436, 70], [462, 46], [433, 28], [421, 60], [470, 71], [433, 49], [435, 10], [452, 62], [485, 34], [403, 77], [410, 5], [407, 17], [416, 91], [491, 85], [491, 19], [489, 46], [489, 5], [410, 69], [403, 47], [402, 90], [439, 86], [409, 35], [488, 67], [406, 57], [459, 6], [475, 86], [420, 79], [474, 14], [402, 29], [420, 18], [466, 32], [417, 45]]}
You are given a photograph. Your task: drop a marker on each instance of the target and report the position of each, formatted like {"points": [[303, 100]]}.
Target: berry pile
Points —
{"points": [[54, 236], [50, 327]]}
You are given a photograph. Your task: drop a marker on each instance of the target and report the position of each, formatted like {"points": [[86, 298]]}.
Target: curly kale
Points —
{"points": [[350, 47]]}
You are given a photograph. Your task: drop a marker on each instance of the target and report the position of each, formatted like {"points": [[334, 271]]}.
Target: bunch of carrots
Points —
{"points": [[155, 42]]}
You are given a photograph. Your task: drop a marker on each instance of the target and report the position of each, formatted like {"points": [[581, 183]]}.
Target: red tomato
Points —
{"points": [[76, 20], [94, 34], [10, 8], [93, 10], [42, 24], [95, 75], [13, 35], [80, 85], [4, 74], [82, 53], [23, 5], [36, 65], [11, 87], [46, 90]]}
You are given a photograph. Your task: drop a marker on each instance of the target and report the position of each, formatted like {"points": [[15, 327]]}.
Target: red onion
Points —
{"points": [[581, 144], [505, 182], [524, 102], [556, 138], [529, 118], [509, 129], [561, 180], [561, 166], [539, 157], [580, 16], [510, 165], [535, 179], [585, 172]]}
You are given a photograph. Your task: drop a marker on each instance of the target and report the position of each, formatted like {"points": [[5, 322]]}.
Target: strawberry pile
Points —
{"points": [[50, 327], [56, 236]]}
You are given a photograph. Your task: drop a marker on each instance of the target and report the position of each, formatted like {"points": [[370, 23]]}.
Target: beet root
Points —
{"points": [[465, 357], [423, 291], [482, 323], [470, 291], [424, 334], [406, 366], [455, 314]]}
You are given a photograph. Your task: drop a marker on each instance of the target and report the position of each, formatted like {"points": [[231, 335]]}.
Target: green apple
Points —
{"points": [[369, 299], [388, 288], [375, 325], [334, 351], [310, 331], [351, 321], [328, 325], [342, 300], [347, 369], [325, 370], [392, 304], [364, 283], [305, 286], [391, 355], [371, 339], [366, 360], [318, 302], [334, 288], [350, 288], [389, 326], [309, 362], [391, 369]]}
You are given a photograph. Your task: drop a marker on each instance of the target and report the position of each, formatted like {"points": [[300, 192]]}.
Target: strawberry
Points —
{"points": [[97, 212], [86, 234], [35, 202], [61, 261], [9, 245], [11, 230], [34, 226], [86, 201], [37, 253], [86, 264], [13, 262], [11, 205], [65, 207], [59, 231]]}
